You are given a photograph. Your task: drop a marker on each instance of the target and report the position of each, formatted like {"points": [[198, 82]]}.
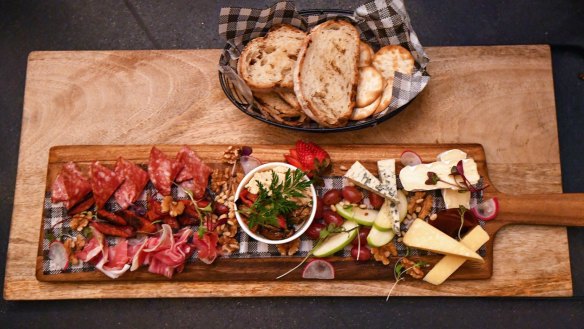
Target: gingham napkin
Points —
{"points": [[381, 23], [56, 223]]}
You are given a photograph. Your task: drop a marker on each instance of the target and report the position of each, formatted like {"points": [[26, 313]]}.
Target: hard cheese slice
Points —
{"points": [[424, 236], [360, 176], [449, 264], [413, 178]]}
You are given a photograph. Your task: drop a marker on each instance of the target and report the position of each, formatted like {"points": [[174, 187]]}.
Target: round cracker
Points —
{"points": [[390, 59], [385, 98], [365, 54], [360, 113], [370, 86]]}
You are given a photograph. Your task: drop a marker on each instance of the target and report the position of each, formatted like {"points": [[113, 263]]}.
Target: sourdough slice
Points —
{"points": [[390, 59], [267, 62], [365, 54], [386, 95], [370, 86], [272, 105], [326, 73]]}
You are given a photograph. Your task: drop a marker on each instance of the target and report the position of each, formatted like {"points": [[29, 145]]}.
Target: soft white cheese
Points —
{"points": [[265, 178], [413, 178], [451, 155], [455, 198]]}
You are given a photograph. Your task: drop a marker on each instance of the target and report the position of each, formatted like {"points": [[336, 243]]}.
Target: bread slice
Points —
{"points": [[385, 98], [326, 73], [290, 97], [360, 113], [365, 54], [273, 106], [390, 59], [267, 62], [370, 86]]}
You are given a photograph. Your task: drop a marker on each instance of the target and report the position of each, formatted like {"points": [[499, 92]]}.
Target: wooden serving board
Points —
{"points": [[499, 96]]}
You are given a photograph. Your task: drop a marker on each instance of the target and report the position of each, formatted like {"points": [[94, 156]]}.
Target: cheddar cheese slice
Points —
{"points": [[424, 236], [449, 264]]}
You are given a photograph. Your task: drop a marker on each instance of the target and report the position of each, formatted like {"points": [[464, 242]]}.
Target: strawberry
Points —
{"points": [[310, 158]]}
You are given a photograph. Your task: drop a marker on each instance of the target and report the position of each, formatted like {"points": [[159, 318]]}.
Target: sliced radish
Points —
{"points": [[319, 269], [410, 158], [248, 163], [58, 255], [486, 210]]}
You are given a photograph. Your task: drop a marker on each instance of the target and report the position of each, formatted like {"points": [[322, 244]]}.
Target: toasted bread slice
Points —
{"points": [[326, 73], [390, 59], [360, 113], [385, 98], [272, 105], [370, 86], [267, 62], [290, 97], [365, 54]]}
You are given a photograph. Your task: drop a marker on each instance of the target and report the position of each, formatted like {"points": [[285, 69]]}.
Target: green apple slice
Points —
{"points": [[365, 217], [377, 238], [337, 241], [384, 220]]}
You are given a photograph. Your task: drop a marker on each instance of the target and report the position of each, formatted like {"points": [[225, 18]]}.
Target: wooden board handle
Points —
{"points": [[541, 209]]}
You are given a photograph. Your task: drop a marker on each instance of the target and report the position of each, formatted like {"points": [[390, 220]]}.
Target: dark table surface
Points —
{"points": [[29, 25]]}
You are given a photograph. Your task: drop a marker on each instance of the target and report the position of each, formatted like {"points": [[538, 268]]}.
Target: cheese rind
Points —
{"points": [[413, 178], [449, 264], [361, 177], [424, 236]]}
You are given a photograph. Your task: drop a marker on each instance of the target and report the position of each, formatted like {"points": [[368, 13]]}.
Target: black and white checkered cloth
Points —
{"points": [[56, 223], [380, 22]]}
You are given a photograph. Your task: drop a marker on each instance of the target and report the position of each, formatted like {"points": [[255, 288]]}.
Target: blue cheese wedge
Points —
{"points": [[413, 178], [387, 175], [424, 236], [361, 177]]}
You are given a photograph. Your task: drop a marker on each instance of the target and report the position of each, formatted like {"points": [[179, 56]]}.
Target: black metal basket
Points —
{"points": [[241, 103]]}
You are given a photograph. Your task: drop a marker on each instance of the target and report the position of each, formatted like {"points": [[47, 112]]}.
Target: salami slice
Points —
{"points": [[135, 179], [162, 171], [104, 183], [70, 186], [195, 173]]}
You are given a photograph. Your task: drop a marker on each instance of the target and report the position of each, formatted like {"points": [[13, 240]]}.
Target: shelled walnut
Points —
{"points": [[382, 254], [290, 248], [80, 220]]}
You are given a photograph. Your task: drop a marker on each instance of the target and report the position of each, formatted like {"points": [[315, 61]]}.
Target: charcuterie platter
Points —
{"points": [[554, 209]]}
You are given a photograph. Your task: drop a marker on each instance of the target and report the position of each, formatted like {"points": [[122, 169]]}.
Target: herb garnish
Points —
{"points": [[276, 200], [399, 270], [203, 221], [462, 184]]}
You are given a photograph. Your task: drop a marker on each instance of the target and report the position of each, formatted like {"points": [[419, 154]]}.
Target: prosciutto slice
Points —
{"points": [[70, 186], [104, 182], [135, 179], [195, 174], [207, 247], [111, 261], [162, 171]]}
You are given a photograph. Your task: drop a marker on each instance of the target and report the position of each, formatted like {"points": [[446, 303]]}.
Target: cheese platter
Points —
{"points": [[545, 209]]}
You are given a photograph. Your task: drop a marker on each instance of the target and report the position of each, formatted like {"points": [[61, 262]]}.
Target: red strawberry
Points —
{"points": [[309, 157]]}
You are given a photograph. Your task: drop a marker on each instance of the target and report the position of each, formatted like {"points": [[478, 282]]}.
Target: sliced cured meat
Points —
{"points": [[141, 224], [70, 186], [195, 173], [104, 182], [117, 256], [111, 217], [135, 179], [114, 230], [82, 206], [207, 247], [162, 171]]}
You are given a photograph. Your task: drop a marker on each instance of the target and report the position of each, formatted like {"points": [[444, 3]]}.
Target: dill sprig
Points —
{"points": [[276, 199]]}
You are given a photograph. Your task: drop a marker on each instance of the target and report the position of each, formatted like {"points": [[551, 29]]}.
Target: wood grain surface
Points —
{"points": [[501, 97]]}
